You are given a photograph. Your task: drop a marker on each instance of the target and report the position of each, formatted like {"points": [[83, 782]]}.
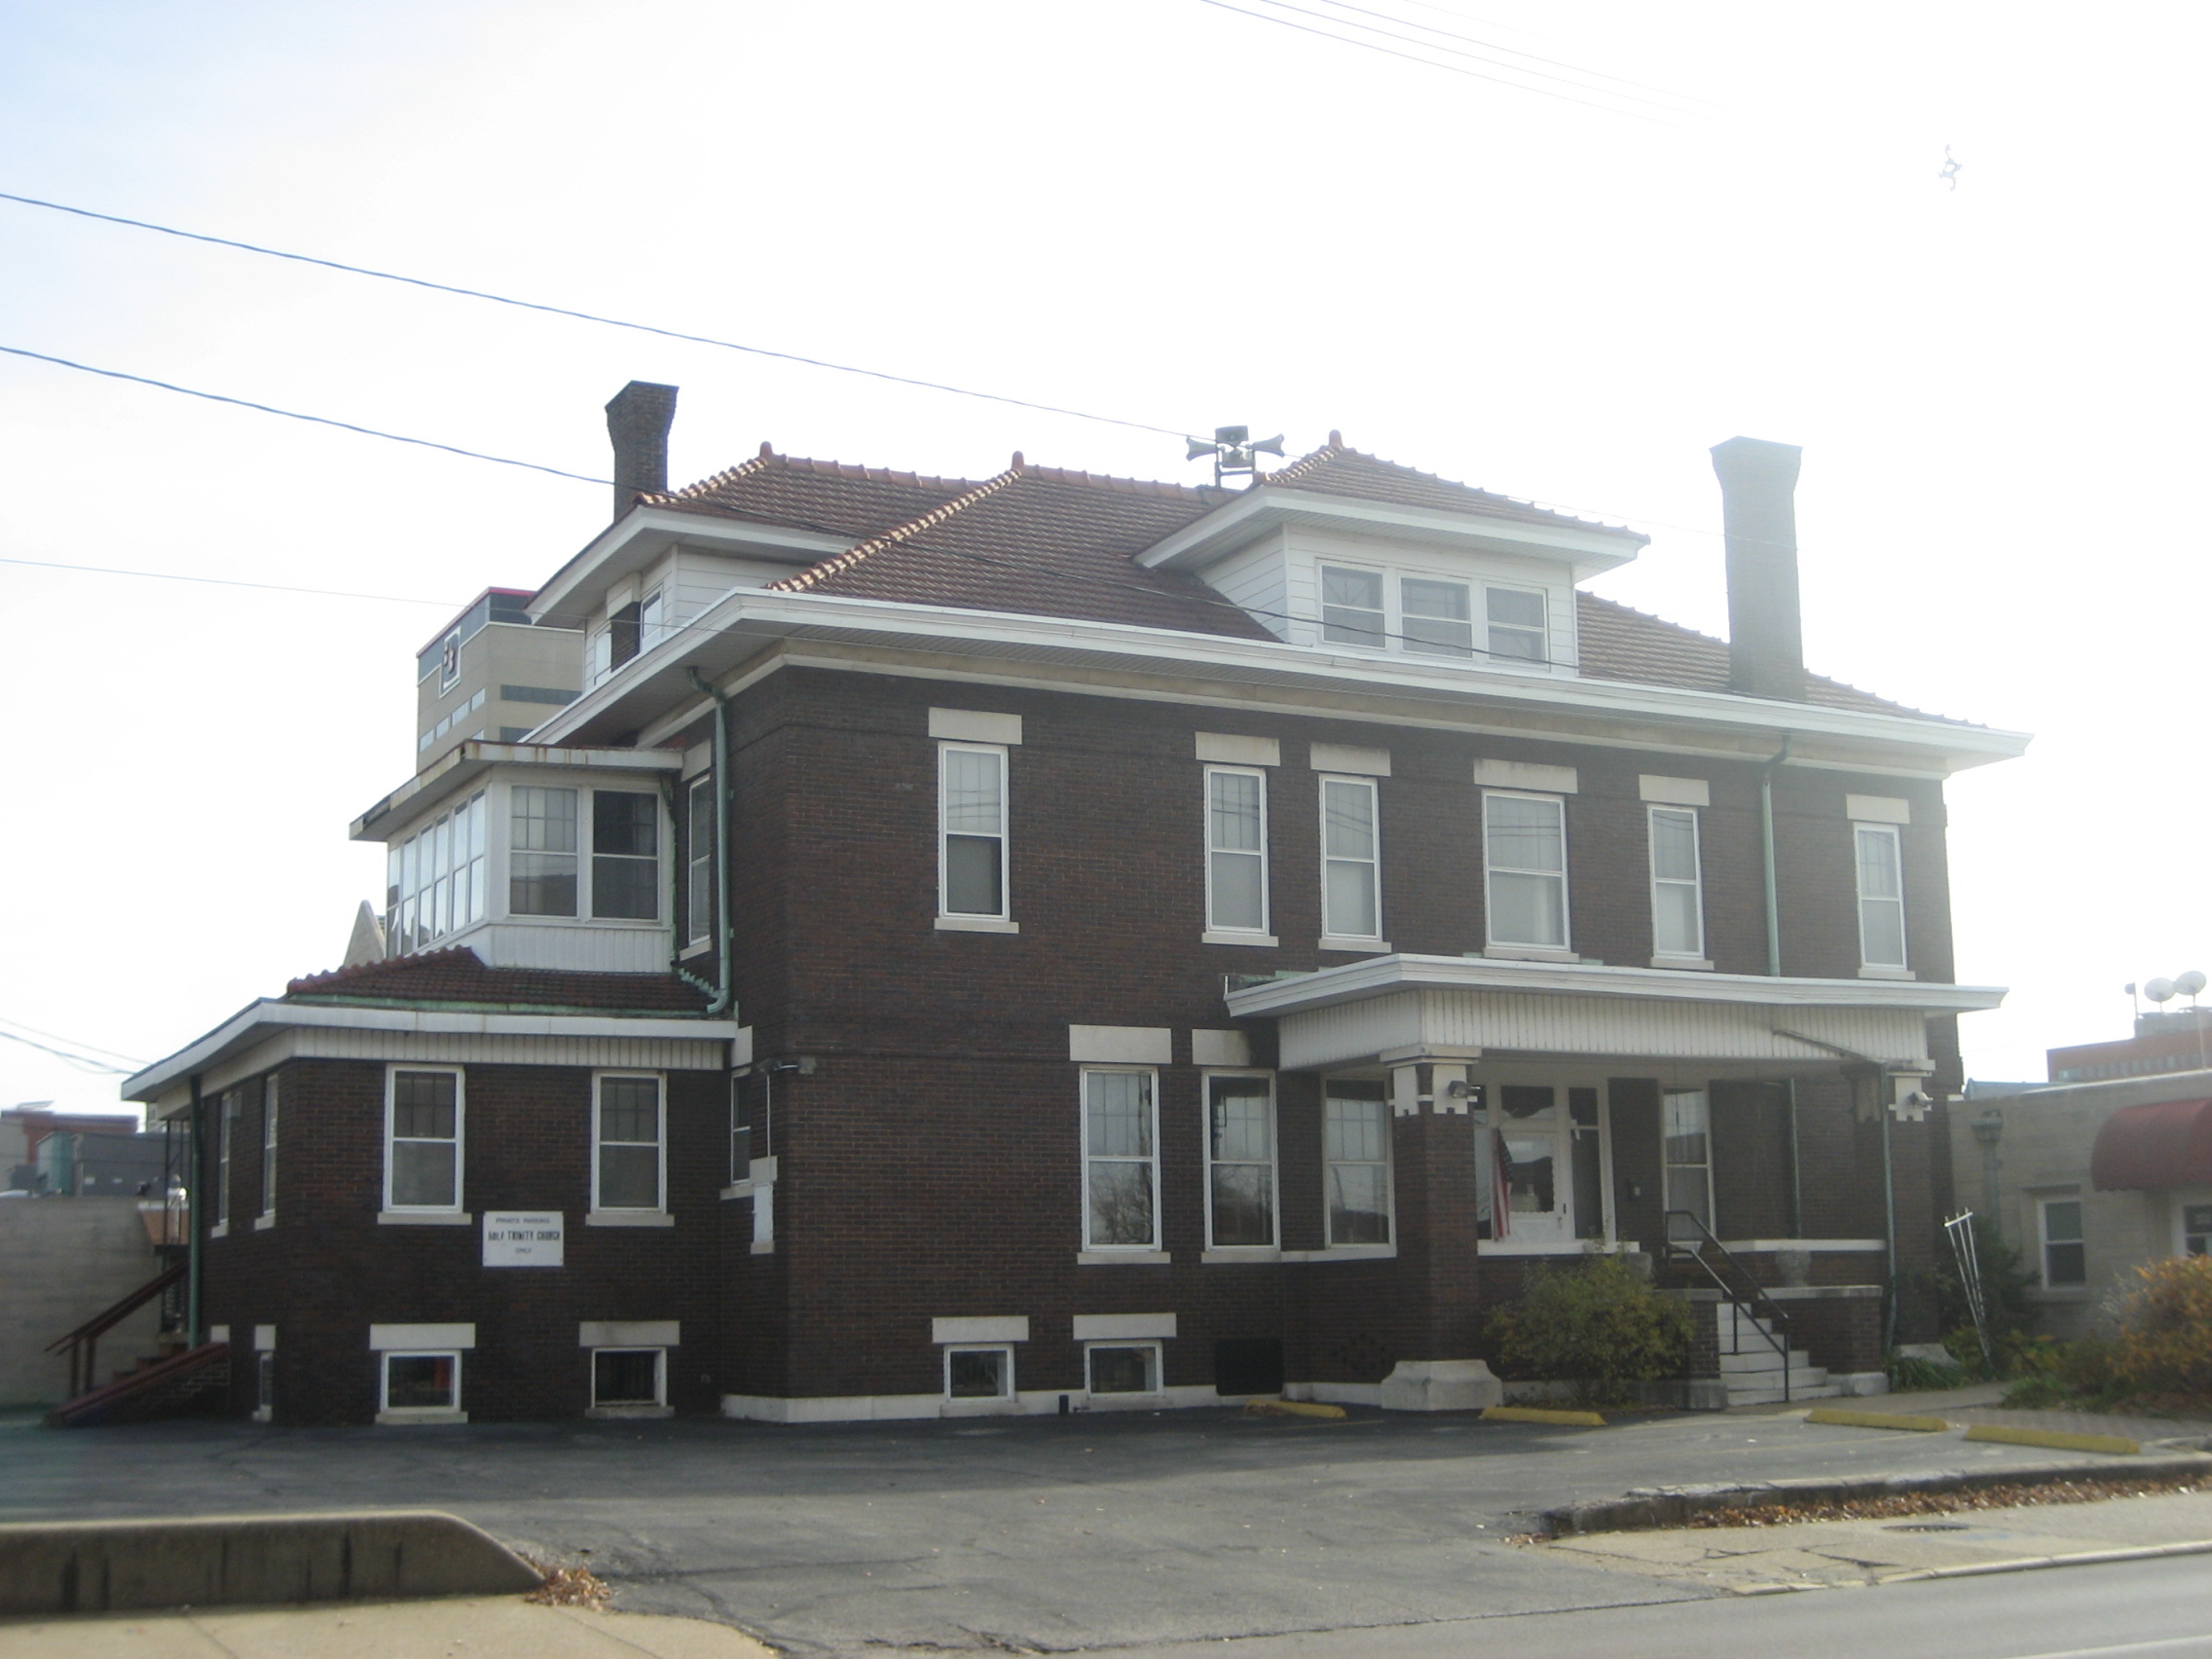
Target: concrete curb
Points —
{"points": [[2031, 1563], [97, 1566], [1662, 1507]]}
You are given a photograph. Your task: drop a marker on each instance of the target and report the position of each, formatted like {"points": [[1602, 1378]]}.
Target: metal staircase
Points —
{"points": [[1757, 1363]]}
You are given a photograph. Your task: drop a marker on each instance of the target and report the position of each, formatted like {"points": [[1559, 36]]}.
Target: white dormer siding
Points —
{"points": [[1278, 580]]}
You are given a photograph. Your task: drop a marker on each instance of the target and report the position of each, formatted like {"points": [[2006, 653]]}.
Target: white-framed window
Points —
{"points": [[652, 621], [1357, 1154], [1236, 850], [1678, 884], [629, 1377], [699, 860], [1881, 895], [1351, 607], [1437, 617], [972, 831], [1351, 859], [1517, 625], [740, 1135], [1686, 1130], [629, 1146], [1122, 1368], [978, 1373], [2065, 1260], [1240, 1159], [1121, 1159], [268, 1147], [425, 1381], [434, 879], [449, 662], [2195, 1230], [541, 862], [599, 655], [625, 854], [423, 1138], [226, 1136], [1525, 869]]}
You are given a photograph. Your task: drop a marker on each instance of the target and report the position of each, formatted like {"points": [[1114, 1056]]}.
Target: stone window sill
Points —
{"points": [[395, 1419], [1222, 1253], [628, 1218], [425, 1218], [1122, 1257], [1365, 946], [1887, 973], [1696, 964], [1345, 1253], [977, 924], [1527, 954], [1264, 941]]}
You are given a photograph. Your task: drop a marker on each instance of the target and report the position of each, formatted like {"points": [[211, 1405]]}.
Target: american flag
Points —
{"points": [[1500, 1186]]}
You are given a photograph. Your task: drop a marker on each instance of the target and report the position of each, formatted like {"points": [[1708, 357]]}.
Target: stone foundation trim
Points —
{"points": [[908, 1408], [1440, 1386]]}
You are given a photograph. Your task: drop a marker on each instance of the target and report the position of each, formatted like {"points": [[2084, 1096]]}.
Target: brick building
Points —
{"points": [[1057, 941]]}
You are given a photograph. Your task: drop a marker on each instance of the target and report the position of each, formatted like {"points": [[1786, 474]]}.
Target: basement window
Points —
{"points": [[1123, 1368], [421, 1383], [978, 1373], [629, 1378]]}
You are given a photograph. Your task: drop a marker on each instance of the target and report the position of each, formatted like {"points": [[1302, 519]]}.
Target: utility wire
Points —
{"points": [[224, 581], [1433, 63], [593, 316], [82, 1062], [1533, 57], [313, 419], [57, 1037]]}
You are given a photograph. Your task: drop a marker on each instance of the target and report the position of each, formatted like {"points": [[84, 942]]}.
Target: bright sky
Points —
{"points": [[1158, 210]]}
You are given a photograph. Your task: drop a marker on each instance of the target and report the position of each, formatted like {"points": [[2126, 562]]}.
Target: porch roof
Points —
{"points": [[1399, 1004]]}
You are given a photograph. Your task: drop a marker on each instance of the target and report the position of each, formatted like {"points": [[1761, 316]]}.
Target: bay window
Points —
{"points": [[435, 883], [625, 854], [541, 862]]}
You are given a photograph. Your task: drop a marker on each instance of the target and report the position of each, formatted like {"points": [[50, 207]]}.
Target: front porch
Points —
{"points": [[1760, 1143]]}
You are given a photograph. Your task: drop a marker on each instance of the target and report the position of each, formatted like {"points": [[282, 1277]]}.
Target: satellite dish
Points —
{"points": [[2159, 990], [2188, 985]]}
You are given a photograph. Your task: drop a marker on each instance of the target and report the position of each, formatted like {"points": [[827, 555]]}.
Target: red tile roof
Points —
{"points": [[1047, 542], [458, 974]]}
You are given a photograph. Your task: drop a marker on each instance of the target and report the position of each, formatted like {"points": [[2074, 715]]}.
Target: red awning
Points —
{"points": [[2165, 1144]]}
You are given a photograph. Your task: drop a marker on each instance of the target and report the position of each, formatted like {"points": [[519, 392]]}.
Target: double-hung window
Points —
{"points": [[699, 860], [972, 831], [268, 1150], [1351, 607], [542, 864], [1525, 859], [1437, 618], [1351, 859], [423, 1139], [1236, 850], [226, 1135], [1881, 895], [1515, 618], [625, 854], [1688, 1128], [1677, 892], [1356, 1148], [628, 1144], [2065, 1262], [1240, 1160], [1121, 1159]]}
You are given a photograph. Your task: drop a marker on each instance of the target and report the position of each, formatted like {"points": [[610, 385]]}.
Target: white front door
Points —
{"points": [[1532, 1181]]}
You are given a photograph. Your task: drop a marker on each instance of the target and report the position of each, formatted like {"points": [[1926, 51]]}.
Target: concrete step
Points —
{"points": [[1820, 1390], [1756, 1361]]}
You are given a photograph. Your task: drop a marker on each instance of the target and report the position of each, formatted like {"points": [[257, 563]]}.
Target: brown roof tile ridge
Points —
{"points": [[1125, 485], [1584, 597], [1335, 448], [839, 562], [705, 486], [767, 457], [454, 955], [1305, 464]]}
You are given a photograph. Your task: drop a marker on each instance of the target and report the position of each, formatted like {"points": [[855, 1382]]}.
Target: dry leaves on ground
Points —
{"points": [[571, 1587]]}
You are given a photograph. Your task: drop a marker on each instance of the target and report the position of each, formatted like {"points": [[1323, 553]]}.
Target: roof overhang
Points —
{"points": [[259, 1019], [643, 535], [742, 627], [1401, 1006], [2163, 1143], [453, 773], [1587, 549]]}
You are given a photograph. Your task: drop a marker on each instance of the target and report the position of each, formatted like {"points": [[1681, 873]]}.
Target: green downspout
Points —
{"points": [[1889, 1220], [723, 938], [1796, 1166], [1766, 848], [191, 1184]]}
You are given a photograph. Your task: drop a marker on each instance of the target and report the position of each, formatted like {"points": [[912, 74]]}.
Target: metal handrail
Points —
{"points": [[1764, 1305], [83, 1344]]}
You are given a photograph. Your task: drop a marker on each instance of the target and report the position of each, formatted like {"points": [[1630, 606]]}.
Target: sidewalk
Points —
{"points": [[503, 1627], [1831, 1553], [1978, 1404]]}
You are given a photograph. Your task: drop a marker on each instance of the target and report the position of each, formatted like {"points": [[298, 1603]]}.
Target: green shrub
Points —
{"points": [[2165, 1346], [1909, 1375], [1598, 1324]]}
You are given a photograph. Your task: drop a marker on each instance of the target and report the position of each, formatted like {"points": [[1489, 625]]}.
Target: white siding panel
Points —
{"points": [[592, 949], [1255, 579], [675, 1053]]}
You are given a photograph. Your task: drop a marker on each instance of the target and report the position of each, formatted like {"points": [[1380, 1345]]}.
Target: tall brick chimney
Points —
{"points": [[638, 420], [1766, 646]]}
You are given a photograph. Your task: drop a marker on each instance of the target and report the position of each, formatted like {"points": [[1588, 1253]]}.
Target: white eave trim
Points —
{"points": [[1380, 975], [453, 772], [1591, 548], [243, 1028], [745, 621], [644, 533]]}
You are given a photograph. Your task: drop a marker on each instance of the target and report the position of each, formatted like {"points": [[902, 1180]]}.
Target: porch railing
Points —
{"points": [[1745, 1292], [83, 1344]]}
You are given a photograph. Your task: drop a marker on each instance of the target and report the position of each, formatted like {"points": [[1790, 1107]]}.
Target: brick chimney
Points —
{"points": [[1766, 647], [638, 420]]}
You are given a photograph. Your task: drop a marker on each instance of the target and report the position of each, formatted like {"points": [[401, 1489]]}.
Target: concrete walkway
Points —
{"points": [[1830, 1554], [503, 1627], [1978, 1404]]}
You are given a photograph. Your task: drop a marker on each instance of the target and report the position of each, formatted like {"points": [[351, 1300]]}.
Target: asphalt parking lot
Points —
{"points": [[1038, 1532]]}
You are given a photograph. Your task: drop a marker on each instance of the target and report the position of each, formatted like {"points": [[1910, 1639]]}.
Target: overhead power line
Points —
{"points": [[227, 582], [83, 1062], [312, 420], [592, 316]]}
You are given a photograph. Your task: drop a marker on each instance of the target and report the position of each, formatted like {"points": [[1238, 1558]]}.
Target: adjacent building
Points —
{"points": [[1055, 942]]}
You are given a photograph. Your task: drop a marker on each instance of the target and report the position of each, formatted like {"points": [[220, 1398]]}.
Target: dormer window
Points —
{"points": [[1351, 606], [1516, 624], [1438, 622]]}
